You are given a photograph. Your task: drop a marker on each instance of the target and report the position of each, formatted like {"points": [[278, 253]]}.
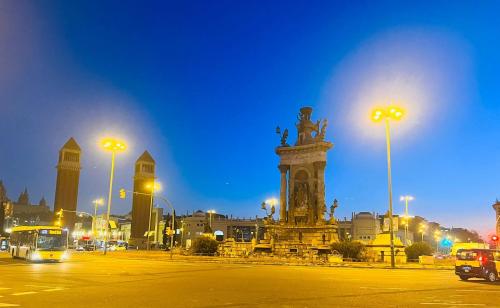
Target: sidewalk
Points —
{"points": [[166, 256]]}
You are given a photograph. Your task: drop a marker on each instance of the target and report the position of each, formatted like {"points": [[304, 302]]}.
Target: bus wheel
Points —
{"points": [[462, 277], [491, 276]]}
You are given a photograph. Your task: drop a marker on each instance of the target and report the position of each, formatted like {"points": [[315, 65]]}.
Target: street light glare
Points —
{"points": [[99, 201], [392, 112], [404, 198], [272, 201], [155, 186], [112, 144]]}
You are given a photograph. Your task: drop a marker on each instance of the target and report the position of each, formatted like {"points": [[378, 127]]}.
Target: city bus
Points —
{"points": [[38, 243]]}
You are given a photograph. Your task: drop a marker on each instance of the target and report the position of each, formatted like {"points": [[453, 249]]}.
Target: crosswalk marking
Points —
{"points": [[24, 293], [52, 290], [8, 305]]}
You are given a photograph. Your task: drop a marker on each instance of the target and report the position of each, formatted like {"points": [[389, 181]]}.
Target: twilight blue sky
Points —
{"points": [[202, 86]]}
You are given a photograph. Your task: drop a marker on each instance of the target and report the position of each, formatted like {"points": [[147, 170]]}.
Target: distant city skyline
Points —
{"points": [[202, 87]]}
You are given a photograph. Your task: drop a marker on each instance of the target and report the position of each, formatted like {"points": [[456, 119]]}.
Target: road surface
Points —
{"points": [[108, 281]]}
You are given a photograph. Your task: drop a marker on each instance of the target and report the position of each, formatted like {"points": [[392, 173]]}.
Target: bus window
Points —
{"points": [[50, 242]]}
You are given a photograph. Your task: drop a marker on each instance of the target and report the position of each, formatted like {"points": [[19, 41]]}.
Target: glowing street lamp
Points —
{"points": [[378, 115], [210, 212], [112, 145], [271, 203], [406, 199], [152, 186], [437, 236], [422, 229]]}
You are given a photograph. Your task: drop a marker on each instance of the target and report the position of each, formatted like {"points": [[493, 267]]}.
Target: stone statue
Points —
{"points": [[332, 210], [301, 197], [320, 129], [283, 136]]}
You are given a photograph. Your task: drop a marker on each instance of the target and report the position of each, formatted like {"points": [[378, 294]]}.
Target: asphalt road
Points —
{"points": [[108, 281]]}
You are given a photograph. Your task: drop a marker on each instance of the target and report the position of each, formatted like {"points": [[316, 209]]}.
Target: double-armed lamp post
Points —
{"points": [[406, 199], [112, 145], [96, 202], [386, 115], [153, 186]]}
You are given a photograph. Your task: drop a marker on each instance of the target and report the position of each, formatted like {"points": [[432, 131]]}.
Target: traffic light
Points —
{"points": [[494, 238], [123, 194]]}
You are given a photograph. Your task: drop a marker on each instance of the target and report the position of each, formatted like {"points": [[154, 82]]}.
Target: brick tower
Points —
{"points": [[144, 175], [496, 207], [68, 178]]}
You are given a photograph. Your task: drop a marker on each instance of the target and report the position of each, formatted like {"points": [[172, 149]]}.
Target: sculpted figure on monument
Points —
{"points": [[283, 136], [301, 198], [332, 210], [322, 132]]}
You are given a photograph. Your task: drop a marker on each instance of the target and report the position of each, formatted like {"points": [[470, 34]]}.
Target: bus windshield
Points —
{"points": [[50, 242]]}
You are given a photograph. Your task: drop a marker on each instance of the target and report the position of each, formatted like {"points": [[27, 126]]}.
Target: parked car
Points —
{"points": [[478, 263], [4, 244]]}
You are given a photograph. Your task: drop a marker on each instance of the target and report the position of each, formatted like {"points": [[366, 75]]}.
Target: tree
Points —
{"points": [[353, 250], [205, 245], [418, 249]]}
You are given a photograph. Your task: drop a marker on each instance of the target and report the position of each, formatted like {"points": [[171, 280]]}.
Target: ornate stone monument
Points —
{"points": [[302, 225]]}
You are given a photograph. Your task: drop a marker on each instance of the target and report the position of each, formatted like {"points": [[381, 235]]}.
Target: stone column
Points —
{"points": [[320, 193], [283, 194]]}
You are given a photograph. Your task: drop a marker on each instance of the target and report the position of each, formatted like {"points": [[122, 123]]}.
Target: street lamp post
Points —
{"points": [[167, 203], [113, 146], [406, 199], [422, 230], [393, 113], [152, 187], [210, 212], [96, 203], [437, 234]]}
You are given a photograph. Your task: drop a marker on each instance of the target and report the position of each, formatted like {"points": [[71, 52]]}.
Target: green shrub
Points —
{"points": [[204, 245], [418, 249], [353, 250]]}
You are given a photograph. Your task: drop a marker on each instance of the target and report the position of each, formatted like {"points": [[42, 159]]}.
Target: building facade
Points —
{"points": [[221, 227]]}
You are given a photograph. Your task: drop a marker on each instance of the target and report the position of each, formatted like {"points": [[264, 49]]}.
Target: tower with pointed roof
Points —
{"points": [[496, 207], [24, 197], [68, 178], [144, 174]]}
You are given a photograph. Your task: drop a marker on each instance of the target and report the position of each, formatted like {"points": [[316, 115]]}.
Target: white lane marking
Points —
{"points": [[8, 305], [374, 288], [36, 286], [54, 289], [24, 293], [452, 304], [478, 290]]}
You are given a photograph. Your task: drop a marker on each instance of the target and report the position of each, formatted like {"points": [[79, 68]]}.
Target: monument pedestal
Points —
{"points": [[288, 239]]}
